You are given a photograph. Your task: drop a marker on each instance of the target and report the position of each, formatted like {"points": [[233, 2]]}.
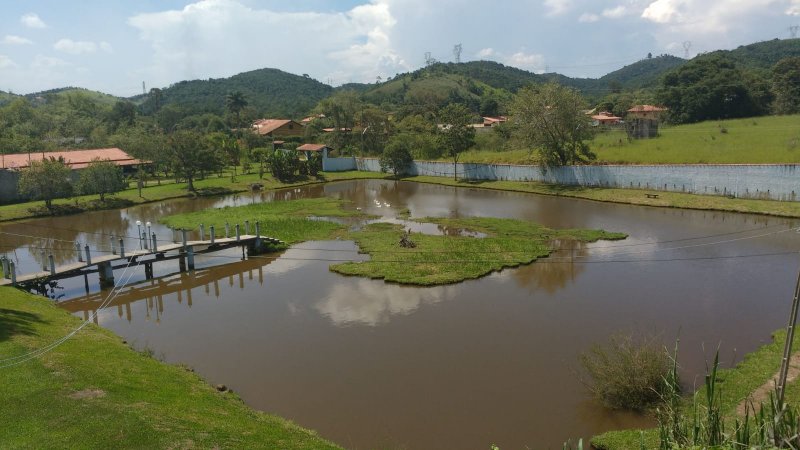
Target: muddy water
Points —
{"points": [[375, 365]]}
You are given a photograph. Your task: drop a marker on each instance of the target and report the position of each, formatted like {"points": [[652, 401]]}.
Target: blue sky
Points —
{"points": [[113, 46]]}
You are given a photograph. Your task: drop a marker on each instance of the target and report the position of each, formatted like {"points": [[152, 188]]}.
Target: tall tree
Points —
{"points": [[711, 88], [550, 119], [456, 134], [236, 102], [190, 153], [46, 180], [786, 86], [101, 177]]}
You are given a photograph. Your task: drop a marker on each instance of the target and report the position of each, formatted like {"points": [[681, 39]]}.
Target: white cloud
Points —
{"points": [[212, 38], [615, 13], [527, 61], [557, 7], [663, 11], [588, 18], [41, 62], [81, 47], [485, 53], [16, 40], [794, 8], [6, 62], [32, 20]]}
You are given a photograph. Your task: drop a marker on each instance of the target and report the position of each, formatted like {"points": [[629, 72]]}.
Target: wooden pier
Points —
{"points": [[185, 251]]}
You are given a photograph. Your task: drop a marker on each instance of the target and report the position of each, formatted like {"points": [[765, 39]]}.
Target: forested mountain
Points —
{"points": [[641, 74], [269, 92], [64, 93], [6, 97], [760, 55]]}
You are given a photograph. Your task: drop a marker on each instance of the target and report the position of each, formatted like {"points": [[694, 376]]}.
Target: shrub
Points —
{"points": [[628, 372]]}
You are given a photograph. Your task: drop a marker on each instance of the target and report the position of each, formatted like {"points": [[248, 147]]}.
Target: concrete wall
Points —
{"points": [[769, 181], [339, 164], [8, 186]]}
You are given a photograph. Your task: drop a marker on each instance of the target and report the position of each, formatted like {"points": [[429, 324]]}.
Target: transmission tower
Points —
{"points": [[686, 46], [457, 52], [428, 58], [793, 30]]}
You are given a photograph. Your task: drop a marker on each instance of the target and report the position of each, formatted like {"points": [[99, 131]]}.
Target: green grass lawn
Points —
{"points": [[284, 220], [96, 392], [212, 185], [760, 140]]}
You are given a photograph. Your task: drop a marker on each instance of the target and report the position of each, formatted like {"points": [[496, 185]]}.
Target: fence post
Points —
{"points": [[238, 236], [122, 247], [13, 271], [246, 227], [88, 255], [183, 238], [211, 228], [52, 262], [202, 232], [227, 230], [155, 243], [78, 251], [113, 246]]}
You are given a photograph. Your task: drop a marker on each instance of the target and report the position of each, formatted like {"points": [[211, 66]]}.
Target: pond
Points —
{"points": [[369, 364]]}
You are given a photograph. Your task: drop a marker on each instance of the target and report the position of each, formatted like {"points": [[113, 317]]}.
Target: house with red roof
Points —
{"points": [[284, 128]]}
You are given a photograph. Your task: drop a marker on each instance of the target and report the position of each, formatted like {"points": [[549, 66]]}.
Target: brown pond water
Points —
{"points": [[374, 365]]}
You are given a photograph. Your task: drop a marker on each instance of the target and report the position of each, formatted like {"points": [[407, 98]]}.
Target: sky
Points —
{"points": [[114, 45]]}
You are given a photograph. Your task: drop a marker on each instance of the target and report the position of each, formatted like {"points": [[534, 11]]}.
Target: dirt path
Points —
{"points": [[762, 393]]}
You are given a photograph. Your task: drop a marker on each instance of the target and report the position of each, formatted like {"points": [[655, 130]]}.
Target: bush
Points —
{"points": [[628, 372], [396, 157], [284, 164]]}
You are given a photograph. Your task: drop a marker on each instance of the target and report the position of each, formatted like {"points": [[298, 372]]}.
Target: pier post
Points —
{"points": [[122, 247], [202, 232], [155, 243], [113, 246], [52, 262], [5, 267], [190, 257], [88, 255], [106, 273], [258, 236], [44, 260], [78, 251], [144, 239], [212, 234], [13, 271], [238, 235], [183, 238], [148, 271], [181, 262], [227, 230], [246, 227]]}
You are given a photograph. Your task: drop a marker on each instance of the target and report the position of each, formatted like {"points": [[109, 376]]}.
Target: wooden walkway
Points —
{"points": [[104, 264]]}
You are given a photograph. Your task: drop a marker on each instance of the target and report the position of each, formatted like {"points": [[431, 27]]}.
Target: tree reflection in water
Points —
{"points": [[557, 271]]}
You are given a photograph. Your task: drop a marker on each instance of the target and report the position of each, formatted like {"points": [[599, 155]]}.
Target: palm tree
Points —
{"points": [[235, 102]]}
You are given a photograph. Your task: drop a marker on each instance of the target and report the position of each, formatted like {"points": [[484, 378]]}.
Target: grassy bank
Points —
{"points": [[154, 192], [282, 220], [433, 260], [735, 384], [452, 258], [95, 392], [630, 196]]}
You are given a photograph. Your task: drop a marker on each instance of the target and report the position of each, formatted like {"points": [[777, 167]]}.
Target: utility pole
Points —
{"points": [[793, 30], [787, 346], [457, 53], [686, 46]]}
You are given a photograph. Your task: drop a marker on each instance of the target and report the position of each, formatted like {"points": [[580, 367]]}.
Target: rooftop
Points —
{"points": [[75, 159]]}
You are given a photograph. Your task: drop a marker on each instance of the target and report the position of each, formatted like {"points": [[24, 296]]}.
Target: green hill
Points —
{"points": [[642, 74], [6, 97], [761, 55], [55, 95], [270, 92]]}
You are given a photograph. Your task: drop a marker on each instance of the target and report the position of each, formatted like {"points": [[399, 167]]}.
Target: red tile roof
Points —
{"points": [[75, 159], [646, 108], [312, 147], [267, 126]]}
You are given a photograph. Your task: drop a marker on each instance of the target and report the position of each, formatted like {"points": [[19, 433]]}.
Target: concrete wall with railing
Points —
{"points": [[768, 181]]}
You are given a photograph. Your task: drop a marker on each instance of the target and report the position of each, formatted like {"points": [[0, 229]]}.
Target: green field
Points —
{"points": [[761, 140], [94, 391]]}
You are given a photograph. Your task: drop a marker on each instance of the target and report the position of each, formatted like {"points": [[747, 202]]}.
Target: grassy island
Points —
{"points": [[434, 259]]}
